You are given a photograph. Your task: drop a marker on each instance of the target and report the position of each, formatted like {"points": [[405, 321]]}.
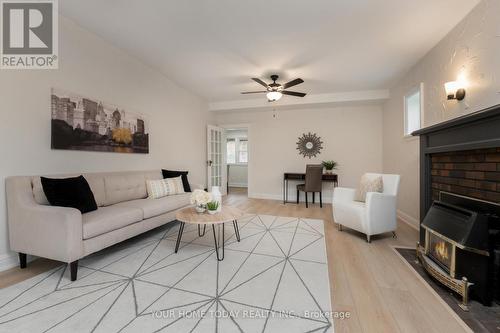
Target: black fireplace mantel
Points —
{"points": [[478, 130]]}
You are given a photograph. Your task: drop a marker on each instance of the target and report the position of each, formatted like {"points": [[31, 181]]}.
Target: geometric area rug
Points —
{"points": [[274, 280]]}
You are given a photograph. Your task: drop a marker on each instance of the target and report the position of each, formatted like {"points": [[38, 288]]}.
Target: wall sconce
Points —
{"points": [[455, 90]]}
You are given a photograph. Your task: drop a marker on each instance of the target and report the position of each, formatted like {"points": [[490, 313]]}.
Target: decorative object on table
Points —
{"points": [[309, 145], [200, 209], [80, 123], [217, 196], [200, 199], [216, 221], [329, 165], [213, 207]]}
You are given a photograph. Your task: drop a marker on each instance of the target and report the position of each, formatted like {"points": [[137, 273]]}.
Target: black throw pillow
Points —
{"points": [[69, 192], [184, 177]]}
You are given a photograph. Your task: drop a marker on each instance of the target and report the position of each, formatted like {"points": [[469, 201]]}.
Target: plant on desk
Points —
{"points": [[212, 207], [329, 165]]}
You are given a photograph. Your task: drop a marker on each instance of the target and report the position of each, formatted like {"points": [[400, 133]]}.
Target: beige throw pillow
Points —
{"points": [[163, 187], [368, 184]]}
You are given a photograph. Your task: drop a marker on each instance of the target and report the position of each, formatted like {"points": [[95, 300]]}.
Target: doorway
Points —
{"points": [[237, 160], [216, 162]]}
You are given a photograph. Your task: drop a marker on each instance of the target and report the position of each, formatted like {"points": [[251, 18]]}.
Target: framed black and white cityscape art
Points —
{"points": [[82, 123]]}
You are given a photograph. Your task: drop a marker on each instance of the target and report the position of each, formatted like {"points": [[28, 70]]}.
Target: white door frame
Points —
{"points": [[216, 160], [248, 127]]}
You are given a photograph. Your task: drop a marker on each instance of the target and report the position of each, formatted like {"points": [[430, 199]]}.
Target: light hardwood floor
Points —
{"points": [[370, 281]]}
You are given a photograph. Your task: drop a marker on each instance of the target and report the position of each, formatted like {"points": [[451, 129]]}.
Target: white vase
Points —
{"points": [[217, 196]]}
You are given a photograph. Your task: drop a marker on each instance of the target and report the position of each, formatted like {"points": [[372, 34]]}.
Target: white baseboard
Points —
{"points": [[279, 197], [11, 260], [238, 185], [7, 261], [265, 196], [410, 220]]}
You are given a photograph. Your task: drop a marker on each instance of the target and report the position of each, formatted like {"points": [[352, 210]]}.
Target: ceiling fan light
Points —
{"points": [[274, 96]]}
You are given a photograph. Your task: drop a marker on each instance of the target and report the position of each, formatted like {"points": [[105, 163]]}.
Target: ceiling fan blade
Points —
{"points": [[293, 93], [292, 83], [254, 92], [259, 81]]}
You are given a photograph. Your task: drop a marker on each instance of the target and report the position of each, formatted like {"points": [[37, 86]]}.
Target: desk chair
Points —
{"points": [[314, 173]]}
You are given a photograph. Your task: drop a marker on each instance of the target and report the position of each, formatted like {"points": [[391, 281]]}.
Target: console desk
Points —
{"points": [[297, 176]]}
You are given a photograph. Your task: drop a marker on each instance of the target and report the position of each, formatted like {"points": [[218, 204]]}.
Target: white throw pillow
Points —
{"points": [[163, 187], [368, 183]]}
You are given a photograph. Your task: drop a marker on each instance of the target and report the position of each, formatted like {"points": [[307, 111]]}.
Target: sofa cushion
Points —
{"points": [[71, 192], [163, 187], [368, 183], [156, 207], [110, 218], [124, 187], [96, 183], [174, 174]]}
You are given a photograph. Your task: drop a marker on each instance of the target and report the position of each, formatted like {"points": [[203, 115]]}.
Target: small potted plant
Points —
{"points": [[329, 165], [212, 207], [200, 199]]}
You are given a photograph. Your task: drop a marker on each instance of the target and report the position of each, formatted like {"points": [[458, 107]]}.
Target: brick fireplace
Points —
{"points": [[460, 156], [460, 204], [472, 173]]}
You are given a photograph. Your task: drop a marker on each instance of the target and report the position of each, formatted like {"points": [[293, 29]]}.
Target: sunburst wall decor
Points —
{"points": [[309, 145]]}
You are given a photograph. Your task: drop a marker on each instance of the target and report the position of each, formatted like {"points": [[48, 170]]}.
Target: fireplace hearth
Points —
{"points": [[458, 242], [460, 204]]}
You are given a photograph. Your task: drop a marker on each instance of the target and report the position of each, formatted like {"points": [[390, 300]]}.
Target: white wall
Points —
{"points": [[238, 175], [471, 49], [91, 67], [352, 136]]}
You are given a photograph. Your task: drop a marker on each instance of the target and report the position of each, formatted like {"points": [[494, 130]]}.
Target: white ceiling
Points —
{"points": [[214, 47]]}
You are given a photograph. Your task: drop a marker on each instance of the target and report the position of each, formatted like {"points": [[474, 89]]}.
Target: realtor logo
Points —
{"points": [[29, 34]]}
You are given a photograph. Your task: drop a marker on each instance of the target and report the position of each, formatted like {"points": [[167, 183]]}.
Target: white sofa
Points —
{"points": [[66, 235], [374, 216]]}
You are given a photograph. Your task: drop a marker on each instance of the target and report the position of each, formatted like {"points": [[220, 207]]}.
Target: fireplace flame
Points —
{"points": [[442, 250]]}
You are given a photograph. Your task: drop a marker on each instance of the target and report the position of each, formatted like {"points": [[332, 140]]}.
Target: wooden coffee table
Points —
{"points": [[227, 214]]}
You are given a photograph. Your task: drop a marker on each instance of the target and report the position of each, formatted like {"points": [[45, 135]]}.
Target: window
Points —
{"points": [[231, 151], [243, 151], [413, 110], [237, 150]]}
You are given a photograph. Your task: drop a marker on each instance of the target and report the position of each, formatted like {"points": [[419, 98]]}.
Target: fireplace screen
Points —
{"points": [[440, 250]]}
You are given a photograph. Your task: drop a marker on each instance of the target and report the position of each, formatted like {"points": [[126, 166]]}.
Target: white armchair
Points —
{"points": [[375, 216]]}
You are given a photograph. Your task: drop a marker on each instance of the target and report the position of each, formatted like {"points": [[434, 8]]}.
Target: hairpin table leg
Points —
{"points": [[199, 230], [217, 243], [179, 236], [236, 230]]}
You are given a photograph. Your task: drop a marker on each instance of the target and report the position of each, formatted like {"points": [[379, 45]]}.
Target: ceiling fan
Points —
{"points": [[275, 90]]}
